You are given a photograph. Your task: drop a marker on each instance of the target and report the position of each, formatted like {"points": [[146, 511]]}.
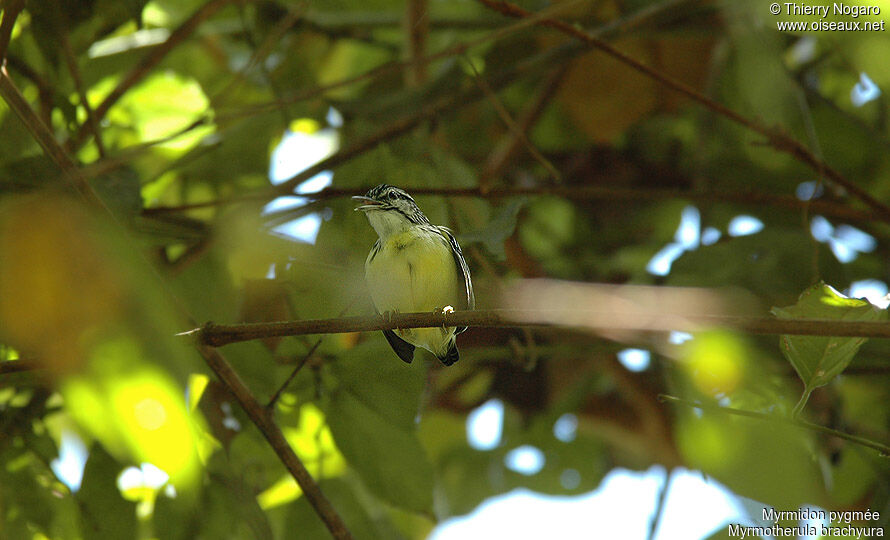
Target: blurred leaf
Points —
{"points": [[501, 226], [388, 457], [819, 359], [107, 514]]}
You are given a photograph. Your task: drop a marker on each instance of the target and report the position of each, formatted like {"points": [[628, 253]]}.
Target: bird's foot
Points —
{"points": [[445, 311], [388, 314]]}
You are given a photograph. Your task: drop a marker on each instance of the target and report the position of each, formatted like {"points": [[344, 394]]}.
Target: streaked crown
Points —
{"points": [[388, 198]]}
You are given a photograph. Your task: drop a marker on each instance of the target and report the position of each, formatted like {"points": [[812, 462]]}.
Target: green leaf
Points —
{"points": [[818, 359], [106, 513], [500, 227], [389, 459]]}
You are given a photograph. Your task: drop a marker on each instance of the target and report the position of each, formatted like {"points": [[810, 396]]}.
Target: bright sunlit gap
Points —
{"points": [[622, 507], [485, 424], [303, 145], [744, 226], [634, 359], [864, 91], [526, 459], [845, 241], [686, 238], [873, 290], [73, 454], [566, 427]]}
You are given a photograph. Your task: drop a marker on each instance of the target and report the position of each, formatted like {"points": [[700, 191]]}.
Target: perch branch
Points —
{"points": [[774, 136], [217, 335], [263, 420]]}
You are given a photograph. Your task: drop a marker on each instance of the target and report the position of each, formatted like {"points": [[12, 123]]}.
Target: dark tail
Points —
{"points": [[451, 356]]}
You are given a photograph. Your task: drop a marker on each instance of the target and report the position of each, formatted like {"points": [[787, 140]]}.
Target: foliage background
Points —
{"points": [[164, 116]]}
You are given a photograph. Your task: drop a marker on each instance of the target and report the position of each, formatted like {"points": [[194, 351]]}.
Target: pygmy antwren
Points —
{"points": [[414, 266]]}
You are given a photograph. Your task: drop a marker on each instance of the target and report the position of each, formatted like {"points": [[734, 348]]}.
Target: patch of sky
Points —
{"points": [[526, 459], [621, 507], [744, 226], [68, 467], [566, 427], [634, 359], [303, 145], [873, 290], [845, 241], [485, 425], [864, 91]]}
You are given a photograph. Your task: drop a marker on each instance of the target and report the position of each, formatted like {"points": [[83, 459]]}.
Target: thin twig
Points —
{"points": [[514, 128], [263, 420], [218, 335], [862, 441], [395, 66], [297, 368], [154, 57], [506, 149], [775, 137], [44, 136], [71, 63], [17, 366], [11, 10], [577, 193], [416, 29]]}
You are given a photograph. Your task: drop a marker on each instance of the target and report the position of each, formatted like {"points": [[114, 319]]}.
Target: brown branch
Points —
{"points": [[263, 420], [11, 10], [392, 67], [506, 149], [217, 335], [417, 29], [17, 366], [512, 126], [151, 60], [71, 63], [575, 193], [774, 136], [44, 136]]}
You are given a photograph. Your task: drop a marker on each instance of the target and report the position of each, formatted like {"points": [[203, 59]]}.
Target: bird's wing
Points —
{"points": [[463, 271]]}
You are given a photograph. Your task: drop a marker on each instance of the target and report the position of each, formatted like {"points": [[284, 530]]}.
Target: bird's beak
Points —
{"points": [[366, 203]]}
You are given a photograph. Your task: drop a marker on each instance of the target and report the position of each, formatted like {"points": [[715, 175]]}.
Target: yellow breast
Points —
{"points": [[415, 271]]}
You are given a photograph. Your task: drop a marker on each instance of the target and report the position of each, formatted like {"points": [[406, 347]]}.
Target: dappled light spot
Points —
{"points": [[873, 290], [679, 338], [715, 361], [485, 424], [744, 225], [660, 264], [313, 443], [807, 191], [570, 479], [686, 238], [864, 91], [525, 459], [688, 232], [710, 236], [566, 427], [845, 241], [73, 453], [149, 414], [821, 228], [634, 359]]}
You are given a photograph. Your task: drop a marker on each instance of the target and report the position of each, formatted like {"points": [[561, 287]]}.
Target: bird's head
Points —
{"points": [[389, 209]]}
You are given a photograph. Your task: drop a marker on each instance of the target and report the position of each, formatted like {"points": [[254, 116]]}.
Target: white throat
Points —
{"points": [[388, 222]]}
